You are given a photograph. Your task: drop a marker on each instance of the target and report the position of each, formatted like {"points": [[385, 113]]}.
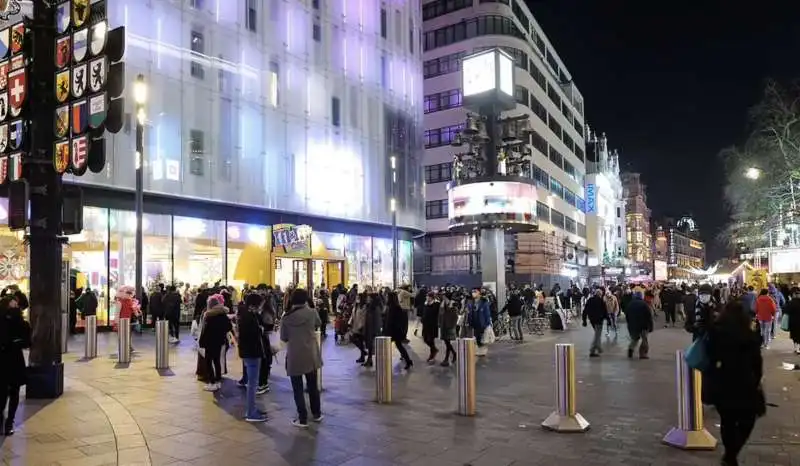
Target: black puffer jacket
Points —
{"points": [[595, 311], [251, 341]]}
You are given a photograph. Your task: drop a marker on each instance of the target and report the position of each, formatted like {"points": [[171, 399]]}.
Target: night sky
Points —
{"points": [[670, 83]]}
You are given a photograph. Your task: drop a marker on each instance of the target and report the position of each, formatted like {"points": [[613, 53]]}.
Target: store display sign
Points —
{"points": [[660, 270], [591, 200], [478, 73], [292, 238], [785, 261]]}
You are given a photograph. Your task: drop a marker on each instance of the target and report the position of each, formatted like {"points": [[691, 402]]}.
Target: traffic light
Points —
{"points": [[72, 209], [115, 86], [18, 196]]}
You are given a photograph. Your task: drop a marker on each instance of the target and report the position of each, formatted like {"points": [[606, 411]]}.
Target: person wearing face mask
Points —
{"points": [[596, 313], [766, 310], [703, 312], [15, 335], [430, 324]]}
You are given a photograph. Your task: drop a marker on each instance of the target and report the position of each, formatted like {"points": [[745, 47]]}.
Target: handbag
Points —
{"points": [[696, 355], [275, 343], [785, 322], [488, 336]]}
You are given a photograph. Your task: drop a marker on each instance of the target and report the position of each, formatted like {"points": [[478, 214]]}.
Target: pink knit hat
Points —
{"points": [[215, 300]]}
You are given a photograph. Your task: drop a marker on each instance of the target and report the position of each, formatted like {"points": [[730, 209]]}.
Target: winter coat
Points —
{"points": [[15, 335], [373, 319], [793, 311], [396, 323], [216, 326], [298, 328], [359, 319], [172, 305], [430, 320], [749, 301], [639, 317], [200, 303], [251, 342], [406, 299], [734, 378], [514, 306], [765, 308], [612, 305], [448, 318], [88, 304], [480, 316], [156, 305], [595, 311]]}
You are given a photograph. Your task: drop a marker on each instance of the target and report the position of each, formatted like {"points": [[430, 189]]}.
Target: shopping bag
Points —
{"points": [[195, 331], [488, 336], [275, 343], [785, 323], [696, 355]]}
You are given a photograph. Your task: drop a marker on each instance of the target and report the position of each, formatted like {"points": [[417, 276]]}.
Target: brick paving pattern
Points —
{"points": [[134, 415]]}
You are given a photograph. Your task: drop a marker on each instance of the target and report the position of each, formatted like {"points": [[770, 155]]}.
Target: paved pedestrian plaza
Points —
{"points": [[136, 415]]}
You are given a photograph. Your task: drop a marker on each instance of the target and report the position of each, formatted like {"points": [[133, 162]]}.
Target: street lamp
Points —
{"points": [[393, 208], [753, 173], [140, 98]]}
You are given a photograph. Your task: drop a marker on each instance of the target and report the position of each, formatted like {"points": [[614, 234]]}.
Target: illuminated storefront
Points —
{"points": [[189, 251]]}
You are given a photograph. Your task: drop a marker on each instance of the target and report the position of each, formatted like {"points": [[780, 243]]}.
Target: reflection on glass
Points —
{"points": [[199, 250], [358, 250], [89, 256], [406, 267], [332, 243], [248, 256], [382, 261]]}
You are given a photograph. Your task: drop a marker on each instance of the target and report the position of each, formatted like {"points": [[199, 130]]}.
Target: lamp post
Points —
{"points": [[753, 173], [140, 98], [393, 207]]}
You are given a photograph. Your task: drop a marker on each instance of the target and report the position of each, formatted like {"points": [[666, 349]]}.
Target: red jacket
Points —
{"points": [[765, 308]]}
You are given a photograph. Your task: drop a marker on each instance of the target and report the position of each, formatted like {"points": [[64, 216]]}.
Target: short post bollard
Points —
{"points": [[318, 336], [124, 341], [90, 344], [466, 354], [690, 434], [565, 418], [162, 344], [383, 370], [64, 332]]}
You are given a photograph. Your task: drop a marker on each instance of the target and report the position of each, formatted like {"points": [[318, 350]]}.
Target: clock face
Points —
{"points": [[478, 73]]}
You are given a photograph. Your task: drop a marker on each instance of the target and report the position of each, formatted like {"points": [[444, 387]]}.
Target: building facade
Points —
{"points": [[605, 211], [546, 92], [637, 220], [270, 134], [686, 252]]}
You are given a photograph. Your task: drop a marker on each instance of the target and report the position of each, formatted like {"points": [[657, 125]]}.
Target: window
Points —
{"points": [[551, 92], [438, 173], [384, 22], [442, 101], [538, 42], [556, 187], [569, 169], [441, 136], [580, 203], [570, 225], [619, 212], [442, 65], [251, 17], [570, 197], [537, 75], [197, 4], [196, 152], [442, 7], [411, 36], [521, 95], [474, 27], [538, 108], [541, 178], [538, 142], [556, 158], [579, 153], [336, 110], [384, 72], [551, 60], [555, 127], [198, 49], [436, 209], [619, 231], [274, 83], [557, 218], [520, 14], [315, 4], [542, 212], [316, 32], [581, 230]]}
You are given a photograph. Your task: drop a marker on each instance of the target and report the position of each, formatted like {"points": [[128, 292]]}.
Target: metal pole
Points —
{"points": [[139, 198], [465, 373], [90, 344], [162, 344], [318, 336], [124, 341], [395, 262], [383, 370], [64, 332], [690, 434], [565, 418]]}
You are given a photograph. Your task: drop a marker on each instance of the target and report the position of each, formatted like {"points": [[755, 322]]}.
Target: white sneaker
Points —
{"points": [[210, 387]]}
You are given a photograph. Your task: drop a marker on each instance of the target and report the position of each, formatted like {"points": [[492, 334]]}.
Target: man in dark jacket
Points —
{"points": [[87, 303], [156, 304], [200, 301], [252, 351], [514, 308], [597, 313], [171, 307], [639, 317]]}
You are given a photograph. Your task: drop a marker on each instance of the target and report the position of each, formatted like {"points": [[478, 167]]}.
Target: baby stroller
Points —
{"points": [[341, 324]]}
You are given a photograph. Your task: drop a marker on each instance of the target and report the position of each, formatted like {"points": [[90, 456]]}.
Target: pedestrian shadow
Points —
{"points": [[167, 372]]}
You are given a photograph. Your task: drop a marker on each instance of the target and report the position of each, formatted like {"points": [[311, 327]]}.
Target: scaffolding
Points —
{"points": [[539, 252]]}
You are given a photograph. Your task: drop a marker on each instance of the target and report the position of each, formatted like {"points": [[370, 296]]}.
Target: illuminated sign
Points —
{"points": [[695, 244], [492, 203], [292, 238], [591, 200], [785, 261], [660, 270], [486, 72], [506, 74]]}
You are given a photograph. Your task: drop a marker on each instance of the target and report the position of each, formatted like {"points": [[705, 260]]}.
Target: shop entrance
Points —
{"points": [[328, 273], [307, 273], [290, 272]]}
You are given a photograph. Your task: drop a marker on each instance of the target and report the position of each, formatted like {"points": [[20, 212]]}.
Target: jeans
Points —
{"points": [[265, 367], [9, 394], [213, 363], [644, 348], [516, 328], [669, 315], [766, 331], [735, 428], [300, 399], [478, 332], [174, 326], [252, 366], [598, 334], [449, 350]]}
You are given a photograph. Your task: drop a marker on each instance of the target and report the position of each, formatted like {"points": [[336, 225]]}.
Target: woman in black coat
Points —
{"points": [[430, 324], [793, 311], [15, 335], [396, 327], [733, 382]]}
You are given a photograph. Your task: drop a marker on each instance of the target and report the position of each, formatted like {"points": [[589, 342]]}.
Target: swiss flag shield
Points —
{"points": [[17, 88]]}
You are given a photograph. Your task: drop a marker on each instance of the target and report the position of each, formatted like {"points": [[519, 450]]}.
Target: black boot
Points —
{"points": [[361, 359], [9, 427], [368, 362], [409, 364]]}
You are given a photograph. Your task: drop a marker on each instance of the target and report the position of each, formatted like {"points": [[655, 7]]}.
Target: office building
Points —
{"points": [[686, 251], [637, 220]]}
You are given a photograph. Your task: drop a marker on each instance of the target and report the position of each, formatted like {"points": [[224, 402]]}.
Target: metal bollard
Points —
{"points": [[90, 344], [566, 417], [690, 434], [383, 370], [162, 344], [124, 341], [466, 354], [318, 336], [64, 332]]}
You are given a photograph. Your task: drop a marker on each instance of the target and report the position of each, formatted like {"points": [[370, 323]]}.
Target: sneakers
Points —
{"points": [[318, 418], [300, 425], [630, 353], [262, 389], [241, 383], [212, 387], [257, 418]]}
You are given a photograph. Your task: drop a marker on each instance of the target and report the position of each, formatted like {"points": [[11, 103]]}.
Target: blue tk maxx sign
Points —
{"points": [[591, 202]]}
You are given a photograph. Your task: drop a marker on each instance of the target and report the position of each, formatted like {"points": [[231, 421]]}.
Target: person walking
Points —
{"points": [[612, 305], [252, 351], [766, 309], [514, 308], [596, 313], [156, 305], [214, 336], [430, 325], [732, 384], [792, 312], [303, 358], [15, 336], [87, 303], [171, 303], [479, 318], [639, 317], [397, 326], [448, 320]]}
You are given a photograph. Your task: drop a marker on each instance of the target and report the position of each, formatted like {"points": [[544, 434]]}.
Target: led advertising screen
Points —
{"points": [[505, 197], [660, 270], [786, 261], [479, 74], [506, 66]]}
